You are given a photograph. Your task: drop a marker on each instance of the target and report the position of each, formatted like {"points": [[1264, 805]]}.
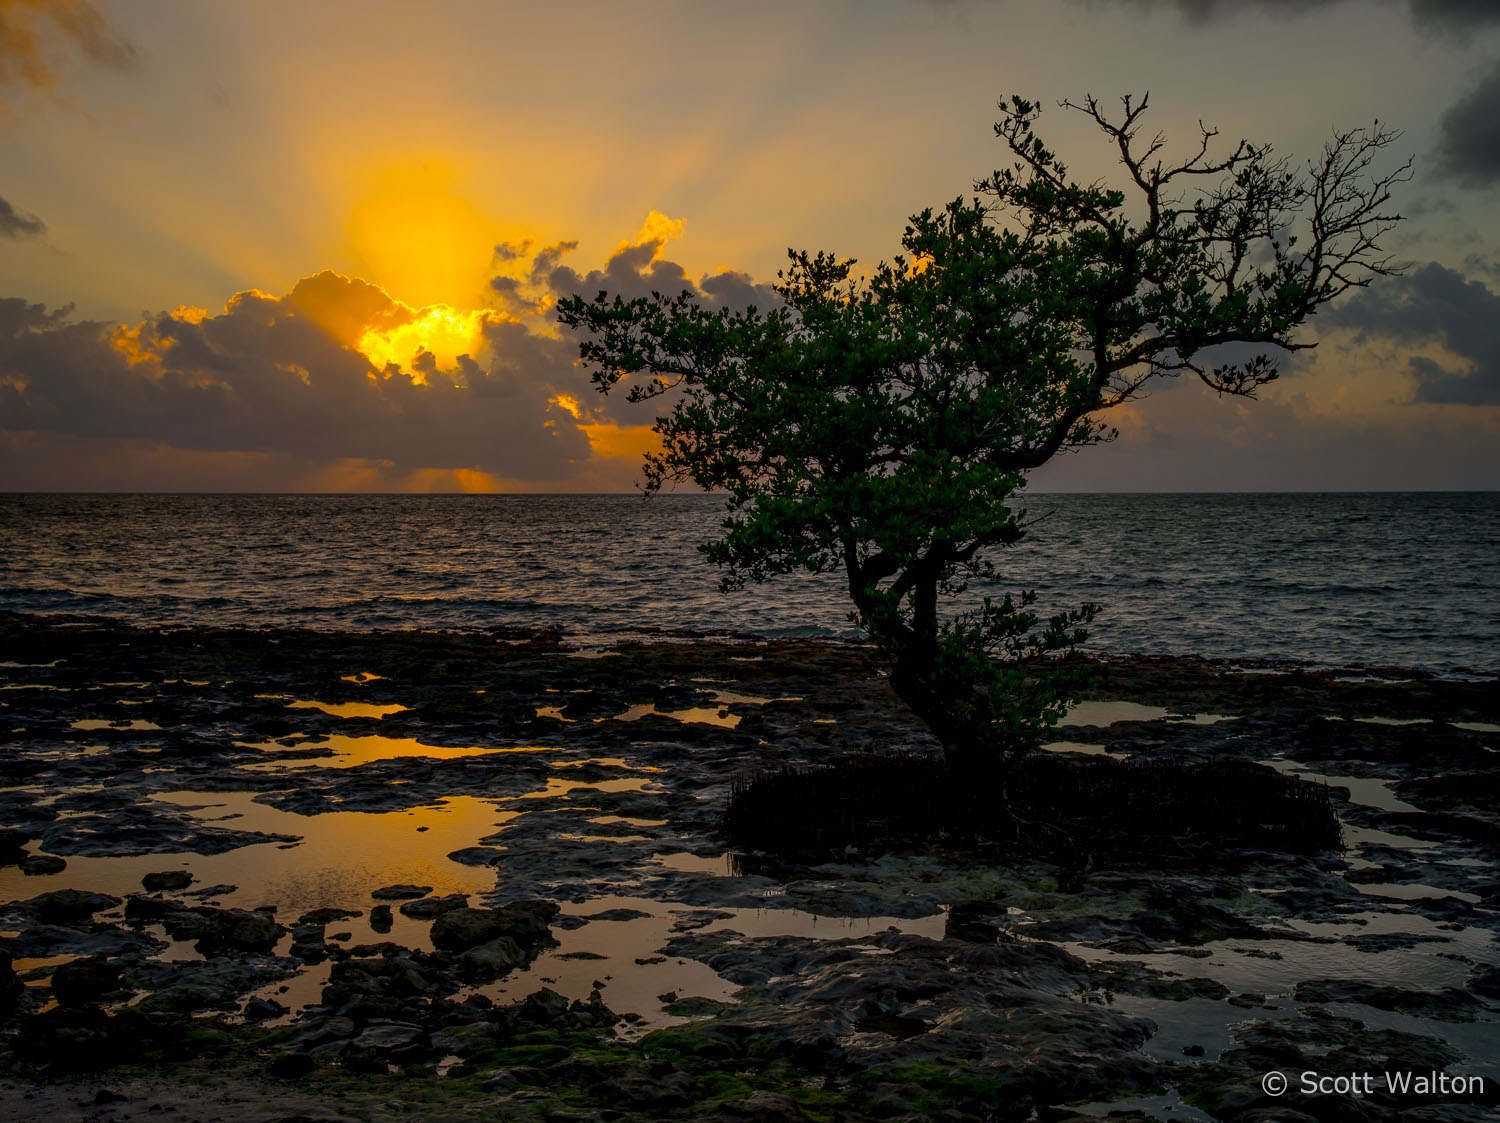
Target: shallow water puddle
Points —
{"points": [[716, 714], [348, 709], [558, 788], [1082, 747], [351, 751], [624, 952], [1100, 713], [92, 724], [337, 709], [342, 857], [1364, 790]]}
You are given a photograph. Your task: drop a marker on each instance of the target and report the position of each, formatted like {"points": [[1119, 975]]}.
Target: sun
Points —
{"points": [[413, 234]]}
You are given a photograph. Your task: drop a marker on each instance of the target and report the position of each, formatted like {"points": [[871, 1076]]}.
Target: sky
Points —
{"points": [[316, 246]]}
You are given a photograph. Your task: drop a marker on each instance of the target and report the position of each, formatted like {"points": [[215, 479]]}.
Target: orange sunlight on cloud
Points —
{"points": [[441, 331]]}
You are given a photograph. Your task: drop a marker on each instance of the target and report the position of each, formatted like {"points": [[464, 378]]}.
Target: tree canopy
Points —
{"points": [[878, 425]]}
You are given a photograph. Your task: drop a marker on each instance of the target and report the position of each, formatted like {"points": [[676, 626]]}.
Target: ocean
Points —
{"points": [[1371, 579]]}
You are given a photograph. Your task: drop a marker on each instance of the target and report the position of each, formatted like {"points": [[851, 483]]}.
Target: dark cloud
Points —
{"points": [[1469, 147], [35, 33], [511, 251], [281, 376], [336, 383], [640, 270], [1455, 13], [1450, 15], [1436, 305], [18, 224]]}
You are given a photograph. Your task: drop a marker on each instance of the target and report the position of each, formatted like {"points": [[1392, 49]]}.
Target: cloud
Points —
{"points": [[1454, 14], [1448, 15], [19, 224], [1469, 147], [639, 268], [335, 385], [1435, 305], [34, 34], [286, 376]]}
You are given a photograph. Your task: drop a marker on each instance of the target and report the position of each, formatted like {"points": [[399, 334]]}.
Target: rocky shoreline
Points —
{"points": [[261, 874]]}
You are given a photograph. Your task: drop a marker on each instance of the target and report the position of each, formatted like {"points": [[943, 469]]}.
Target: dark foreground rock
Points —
{"points": [[861, 982]]}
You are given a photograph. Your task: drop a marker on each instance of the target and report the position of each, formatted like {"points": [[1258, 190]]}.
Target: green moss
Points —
{"points": [[1206, 1085]]}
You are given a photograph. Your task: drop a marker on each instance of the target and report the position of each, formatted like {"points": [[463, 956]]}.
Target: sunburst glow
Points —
{"points": [[443, 332]]}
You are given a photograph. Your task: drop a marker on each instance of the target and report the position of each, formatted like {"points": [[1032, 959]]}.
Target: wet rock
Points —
{"points": [[1325, 1042], [38, 865], [401, 892], [166, 881], [1389, 941], [262, 1009], [1485, 980], [320, 917], [463, 1040], [80, 982], [318, 1031], [213, 984], [381, 987], [38, 940], [1447, 1005], [212, 891], [429, 907], [216, 931], [543, 1007], [526, 922], [381, 919], [1132, 978], [307, 943], [478, 855], [13, 840], [386, 1043], [68, 906], [612, 915], [698, 918], [1248, 1001], [493, 959]]}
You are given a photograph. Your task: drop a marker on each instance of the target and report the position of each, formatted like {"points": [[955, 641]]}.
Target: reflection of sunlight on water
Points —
{"points": [[1364, 790], [717, 714], [635, 973], [337, 709], [348, 709], [350, 752], [1081, 747], [556, 787], [1108, 713], [719, 864], [98, 723], [342, 856]]}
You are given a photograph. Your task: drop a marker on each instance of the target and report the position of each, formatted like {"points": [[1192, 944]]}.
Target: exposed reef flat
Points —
{"points": [[279, 874]]}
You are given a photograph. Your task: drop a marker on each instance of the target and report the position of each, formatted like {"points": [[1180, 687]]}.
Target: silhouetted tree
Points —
{"points": [[877, 426]]}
